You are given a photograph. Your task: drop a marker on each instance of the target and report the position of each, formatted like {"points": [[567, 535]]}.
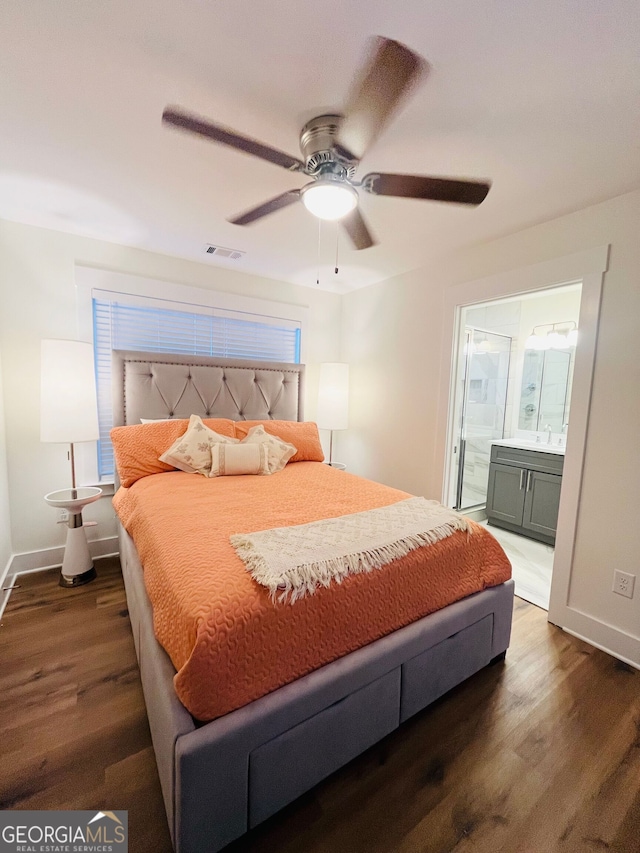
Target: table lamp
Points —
{"points": [[69, 414], [333, 401]]}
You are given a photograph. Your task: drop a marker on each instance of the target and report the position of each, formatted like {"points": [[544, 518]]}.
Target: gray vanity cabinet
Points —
{"points": [[524, 491]]}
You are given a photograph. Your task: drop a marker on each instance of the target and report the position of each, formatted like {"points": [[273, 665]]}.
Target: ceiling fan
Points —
{"points": [[333, 145]]}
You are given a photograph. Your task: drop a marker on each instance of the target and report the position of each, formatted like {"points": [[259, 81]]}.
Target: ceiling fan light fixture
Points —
{"points": [[329, 199]]}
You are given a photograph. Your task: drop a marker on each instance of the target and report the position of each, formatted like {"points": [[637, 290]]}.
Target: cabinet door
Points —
{"points": [[542, 499], [505, 496]]}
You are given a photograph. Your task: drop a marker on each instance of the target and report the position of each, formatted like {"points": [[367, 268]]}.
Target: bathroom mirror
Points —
{"points": [[546, 381]]}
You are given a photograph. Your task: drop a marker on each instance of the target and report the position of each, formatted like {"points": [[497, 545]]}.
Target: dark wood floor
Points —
{"points": [[538, 755]]}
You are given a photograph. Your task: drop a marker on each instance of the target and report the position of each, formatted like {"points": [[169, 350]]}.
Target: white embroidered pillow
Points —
{"points": [[280, 452], [229, 460], [192, 451]]}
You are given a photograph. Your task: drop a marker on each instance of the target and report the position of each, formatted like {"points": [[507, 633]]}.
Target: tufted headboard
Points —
{"points": [[164, 385]]}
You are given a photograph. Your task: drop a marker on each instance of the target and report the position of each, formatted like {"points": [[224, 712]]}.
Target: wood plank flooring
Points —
{"points": [[539, 755], [74, 731]]}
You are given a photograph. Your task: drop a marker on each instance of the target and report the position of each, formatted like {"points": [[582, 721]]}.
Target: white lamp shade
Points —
{"points": [[68, 407], [333, 396]]}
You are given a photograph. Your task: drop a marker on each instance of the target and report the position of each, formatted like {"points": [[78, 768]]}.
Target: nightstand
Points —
{"points": [[340, 466]]}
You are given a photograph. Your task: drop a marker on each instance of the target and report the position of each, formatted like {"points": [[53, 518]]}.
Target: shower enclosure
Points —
{"points": [[481, 401]]}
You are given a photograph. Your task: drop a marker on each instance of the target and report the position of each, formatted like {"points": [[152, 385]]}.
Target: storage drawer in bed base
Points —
{"points": [[431, 674], [292, 763]]}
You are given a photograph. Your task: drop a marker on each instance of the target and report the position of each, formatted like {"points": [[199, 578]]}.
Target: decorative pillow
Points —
{"points": [[229, 460], [279, 452], [137, 447], [303, 435], [191, 452]]}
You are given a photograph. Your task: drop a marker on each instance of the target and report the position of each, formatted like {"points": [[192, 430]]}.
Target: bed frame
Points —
{"points": [[221, 778]]}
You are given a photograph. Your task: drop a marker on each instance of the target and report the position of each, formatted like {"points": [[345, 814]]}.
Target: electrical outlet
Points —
{"points": [[623, 583], [63, 515]]}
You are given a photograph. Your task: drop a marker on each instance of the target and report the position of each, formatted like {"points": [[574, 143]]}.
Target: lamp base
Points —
{"points": [[77, 566], [69, 581]]}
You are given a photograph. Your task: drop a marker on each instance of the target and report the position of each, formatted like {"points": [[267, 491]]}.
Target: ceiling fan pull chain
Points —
{"points": [[337, 241]]}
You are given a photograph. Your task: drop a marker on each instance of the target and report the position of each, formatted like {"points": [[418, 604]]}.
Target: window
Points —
{"points": [[152, 325]]}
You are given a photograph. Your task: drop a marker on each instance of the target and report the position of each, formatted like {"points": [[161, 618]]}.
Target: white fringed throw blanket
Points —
{"points": [[295, 560]]}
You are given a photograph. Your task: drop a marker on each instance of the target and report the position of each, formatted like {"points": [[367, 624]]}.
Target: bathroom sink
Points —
{"points": [[526, 444]]}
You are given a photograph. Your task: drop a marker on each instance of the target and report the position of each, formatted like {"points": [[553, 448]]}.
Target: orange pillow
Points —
{"points": [[302, 434], [137, 447]]}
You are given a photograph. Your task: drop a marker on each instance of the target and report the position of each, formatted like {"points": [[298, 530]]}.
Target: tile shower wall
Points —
{"points": [[503, 318]]}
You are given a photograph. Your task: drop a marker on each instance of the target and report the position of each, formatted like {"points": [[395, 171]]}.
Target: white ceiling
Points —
{"points": [[541, 96]]}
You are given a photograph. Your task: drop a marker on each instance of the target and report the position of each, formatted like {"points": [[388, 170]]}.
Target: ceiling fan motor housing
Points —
{"points": [[317, 146]]}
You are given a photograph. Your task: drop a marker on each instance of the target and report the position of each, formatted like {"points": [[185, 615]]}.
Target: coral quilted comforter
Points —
{"points": [[229, 642]]}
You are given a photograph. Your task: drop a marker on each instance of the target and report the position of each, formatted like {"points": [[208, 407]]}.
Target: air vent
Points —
{"points": [[221, 252]]}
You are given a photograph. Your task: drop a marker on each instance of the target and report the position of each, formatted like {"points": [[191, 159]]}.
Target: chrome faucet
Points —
{"points": [[547, 429]]}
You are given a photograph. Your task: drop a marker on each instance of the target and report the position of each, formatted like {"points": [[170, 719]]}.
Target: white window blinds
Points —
{"points": [[200, 331]]}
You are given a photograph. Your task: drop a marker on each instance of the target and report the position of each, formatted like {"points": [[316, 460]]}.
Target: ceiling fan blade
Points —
{"points": [[391, 71], [195, 124], [421, 186], [358, 230], [265, 209]]}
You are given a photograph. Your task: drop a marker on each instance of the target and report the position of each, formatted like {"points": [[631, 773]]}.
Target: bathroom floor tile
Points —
{"points": [[531, 562]]}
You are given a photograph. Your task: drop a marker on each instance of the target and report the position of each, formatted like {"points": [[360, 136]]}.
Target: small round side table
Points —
{"points": [[77, 566]]}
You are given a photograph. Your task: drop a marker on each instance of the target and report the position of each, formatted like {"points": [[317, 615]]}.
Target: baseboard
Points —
{"points": [[46, 558], [634, 663], [5, 581], [5, 572], [613, 641], [50, 558]]}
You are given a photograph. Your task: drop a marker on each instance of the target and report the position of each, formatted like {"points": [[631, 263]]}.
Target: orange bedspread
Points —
{"points": [[229, 643]]}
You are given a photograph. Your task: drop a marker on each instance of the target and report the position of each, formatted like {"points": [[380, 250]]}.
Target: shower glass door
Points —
{"points": [[483, 384]]}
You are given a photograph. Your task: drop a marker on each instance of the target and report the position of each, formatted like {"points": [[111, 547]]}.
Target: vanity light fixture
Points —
{"points": [[552, 339]]}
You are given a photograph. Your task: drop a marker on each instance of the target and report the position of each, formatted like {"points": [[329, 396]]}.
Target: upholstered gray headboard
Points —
{"points": [[166, 385]]}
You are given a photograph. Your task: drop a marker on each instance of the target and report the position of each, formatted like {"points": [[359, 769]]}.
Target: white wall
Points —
{"points": [[392, 336], [5, 516], [38, 300]]}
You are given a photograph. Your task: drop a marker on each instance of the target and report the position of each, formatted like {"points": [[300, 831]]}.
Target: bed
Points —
{"points": [[222, 777]]}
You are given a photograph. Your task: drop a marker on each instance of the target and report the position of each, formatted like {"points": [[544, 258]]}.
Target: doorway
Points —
{"points": [[511, 408]]}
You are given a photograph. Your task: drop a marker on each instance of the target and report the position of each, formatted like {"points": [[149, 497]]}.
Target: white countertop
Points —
{"points": [[523, 444]]}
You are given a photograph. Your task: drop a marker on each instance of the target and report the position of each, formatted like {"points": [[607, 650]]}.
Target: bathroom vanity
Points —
{"points": [[524, 488]]}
